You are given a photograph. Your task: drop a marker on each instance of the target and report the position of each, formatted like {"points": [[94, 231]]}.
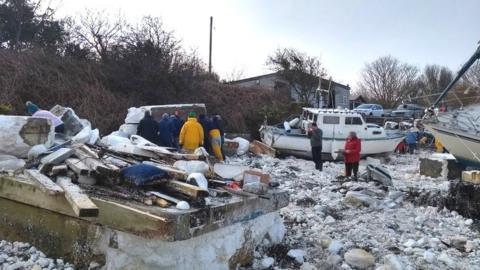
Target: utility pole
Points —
{"points": [[210, 48]]}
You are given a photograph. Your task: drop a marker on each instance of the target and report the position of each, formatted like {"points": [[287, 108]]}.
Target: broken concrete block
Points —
{"points": [[71, 121], [441, 165], [58, 156], [18, 134], [471, 177]]}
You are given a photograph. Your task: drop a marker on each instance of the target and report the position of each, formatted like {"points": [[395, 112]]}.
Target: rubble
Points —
{"points": [[83, 171]]}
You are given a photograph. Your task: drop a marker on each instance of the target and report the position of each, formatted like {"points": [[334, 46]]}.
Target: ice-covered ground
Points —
{"points": [[20, 256], [392, 232]]}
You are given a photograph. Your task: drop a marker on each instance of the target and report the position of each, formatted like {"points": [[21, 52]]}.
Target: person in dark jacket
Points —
{"points": [[166, 131], [177, 124], [351, 153], [148, 129], [207, 127], [316, 137]]}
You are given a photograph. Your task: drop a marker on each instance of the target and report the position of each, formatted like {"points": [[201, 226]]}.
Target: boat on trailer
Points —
{"points": [[335, 125]]}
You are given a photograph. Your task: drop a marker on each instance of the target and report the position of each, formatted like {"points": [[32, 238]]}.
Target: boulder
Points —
{"points": [[359, 199], [297, 254], [359, 258]]}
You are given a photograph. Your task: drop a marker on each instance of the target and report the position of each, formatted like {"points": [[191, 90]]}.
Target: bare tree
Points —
{"points": [[388, 81], [472, 77], [97, 32], [234, 75], [301, 71], [433, 80]]}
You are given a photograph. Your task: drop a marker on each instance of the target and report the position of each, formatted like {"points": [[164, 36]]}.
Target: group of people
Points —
{"points": [[351, 150], [172, 131]]}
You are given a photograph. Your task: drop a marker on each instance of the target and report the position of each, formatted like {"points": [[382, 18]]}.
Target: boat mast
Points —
{"points": [[466, 66]]}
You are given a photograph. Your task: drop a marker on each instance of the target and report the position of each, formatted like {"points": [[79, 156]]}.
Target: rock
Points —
{"points": [[359, 199], [359, 258], [335, 247], [459, 242], [410, 243], [36, 267], [447, 260], [325, 242], [392, 262], [468, 222], [470, 246], [308, 266], [43, 262], [429, 256], [267, 263], [333, 260], [329, 220], [297, 254]]}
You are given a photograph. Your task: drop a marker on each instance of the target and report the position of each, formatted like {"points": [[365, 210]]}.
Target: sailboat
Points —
{"points": [[458, 130]]}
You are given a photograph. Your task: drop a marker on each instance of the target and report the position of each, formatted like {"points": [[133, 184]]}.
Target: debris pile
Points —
{"points": [[337, 223]]}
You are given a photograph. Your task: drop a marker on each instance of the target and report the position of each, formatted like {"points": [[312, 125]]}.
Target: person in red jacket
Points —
{"points": [[351, 153]]}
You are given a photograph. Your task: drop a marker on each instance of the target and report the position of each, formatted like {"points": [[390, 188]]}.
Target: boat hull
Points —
{"points": [[299, 144], [464, 146]]}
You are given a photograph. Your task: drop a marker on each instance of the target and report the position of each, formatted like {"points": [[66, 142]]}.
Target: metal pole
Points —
{"points": [[210, 48]]}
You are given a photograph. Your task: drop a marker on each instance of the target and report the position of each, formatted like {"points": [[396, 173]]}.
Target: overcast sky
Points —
{"points": [[343, 34]]}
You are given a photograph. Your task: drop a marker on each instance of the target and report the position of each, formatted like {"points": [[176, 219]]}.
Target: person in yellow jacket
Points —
{"points": [[191, 134], [439, 146], [216, 139]]}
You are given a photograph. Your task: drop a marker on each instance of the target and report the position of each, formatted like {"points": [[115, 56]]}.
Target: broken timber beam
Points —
{"points": [[44, 183], [164, 196], [77, 166], [58, 156], [191, 191], [95, 164], [81, 204]]}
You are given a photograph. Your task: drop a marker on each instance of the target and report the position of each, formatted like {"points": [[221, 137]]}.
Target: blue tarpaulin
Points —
{"points": [[142, 174]]}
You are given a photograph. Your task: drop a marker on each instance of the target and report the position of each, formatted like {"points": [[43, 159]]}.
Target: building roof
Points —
{"points": [[325, 82], [357, 97]]}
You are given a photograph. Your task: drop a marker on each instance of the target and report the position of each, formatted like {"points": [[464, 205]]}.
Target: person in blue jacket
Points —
{"points": [[166, 131], [207, 126], [411, 140], [177, 124]]}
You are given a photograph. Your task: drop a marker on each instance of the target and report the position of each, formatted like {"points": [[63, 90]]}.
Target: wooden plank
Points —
{"points": [[161, 202], [164, 196], [95, 164], [44, 183], [58, 169], [191, 191], [77, 166], [58, 156], [81, 204]]}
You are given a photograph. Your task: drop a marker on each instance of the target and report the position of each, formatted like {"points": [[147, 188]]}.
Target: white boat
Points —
{"points": [[459, 132], [335, 125]]}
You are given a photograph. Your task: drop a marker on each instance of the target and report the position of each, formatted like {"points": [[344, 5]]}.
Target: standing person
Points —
{"points": [[219, 122], [207, 126], [216, 139], [35, 111], [411, 140], [351, 153], [177, 126], [191, 134], [166, 131], [316, 136], [148, 129]]}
